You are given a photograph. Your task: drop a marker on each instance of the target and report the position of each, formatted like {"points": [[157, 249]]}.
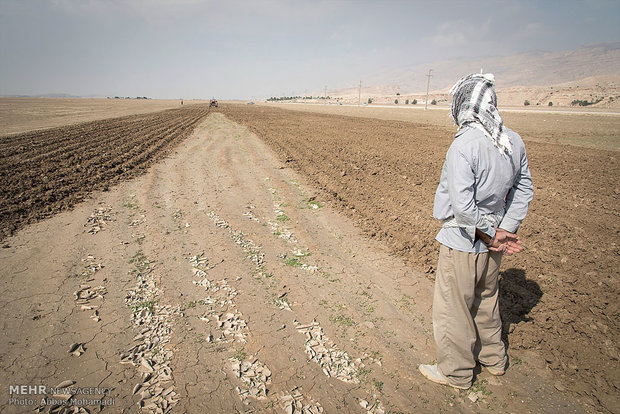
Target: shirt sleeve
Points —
{"points": [[518, 198], [461, 180]]}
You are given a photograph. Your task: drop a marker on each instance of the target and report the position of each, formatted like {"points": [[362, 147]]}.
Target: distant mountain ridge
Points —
{"points": [[529, 69], [47, 95]]}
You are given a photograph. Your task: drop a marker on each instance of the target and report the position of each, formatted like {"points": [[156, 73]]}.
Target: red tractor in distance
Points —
{"points": [[213, 102]]}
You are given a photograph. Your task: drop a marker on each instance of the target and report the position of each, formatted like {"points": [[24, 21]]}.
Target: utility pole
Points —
{"points": [[428, 84], [359, 95]]}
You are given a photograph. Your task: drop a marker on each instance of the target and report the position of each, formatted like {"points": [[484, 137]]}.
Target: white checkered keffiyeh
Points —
{"points": [[474, 103]]}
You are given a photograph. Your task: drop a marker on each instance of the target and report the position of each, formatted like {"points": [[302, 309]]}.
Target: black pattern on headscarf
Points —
{"points": [[474, 102]]}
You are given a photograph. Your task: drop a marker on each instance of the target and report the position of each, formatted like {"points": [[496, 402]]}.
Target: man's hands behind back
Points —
{"points": [[505, 242]]}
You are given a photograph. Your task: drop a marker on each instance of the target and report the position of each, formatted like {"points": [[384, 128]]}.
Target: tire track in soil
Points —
{"points": [[229, 158], [153, 320]]}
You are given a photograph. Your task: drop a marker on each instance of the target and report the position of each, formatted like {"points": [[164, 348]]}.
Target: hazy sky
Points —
{"points": [[256, 48]]}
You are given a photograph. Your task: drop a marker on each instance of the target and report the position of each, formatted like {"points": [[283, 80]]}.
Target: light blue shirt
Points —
{"points": [[476, 180]]}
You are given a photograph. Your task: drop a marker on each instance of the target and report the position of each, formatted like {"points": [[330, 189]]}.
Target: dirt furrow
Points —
{"points": [[38, 141], [42, 184], [86, 141]]}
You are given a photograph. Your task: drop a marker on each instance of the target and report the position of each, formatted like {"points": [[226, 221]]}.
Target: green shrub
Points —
{"points": [[396, 101], [406, 101], [585, 103], [415, 101], [526, 103], [433, 102], [550, 103]]}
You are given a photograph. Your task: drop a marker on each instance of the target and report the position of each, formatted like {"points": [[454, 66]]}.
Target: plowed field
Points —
{"points": [[44, 172], [560, 297], [225, 279]]}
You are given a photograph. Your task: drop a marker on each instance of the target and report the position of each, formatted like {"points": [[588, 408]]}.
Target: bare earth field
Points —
{"points": [[275, 261], [27, 114], [43, 172], [574, 126], [560, 297]]}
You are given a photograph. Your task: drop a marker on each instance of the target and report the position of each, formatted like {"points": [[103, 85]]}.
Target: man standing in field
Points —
{"points": [[482, 198]]}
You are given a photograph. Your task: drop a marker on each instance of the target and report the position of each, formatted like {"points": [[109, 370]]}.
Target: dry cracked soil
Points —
{"points": [[236, 274]]}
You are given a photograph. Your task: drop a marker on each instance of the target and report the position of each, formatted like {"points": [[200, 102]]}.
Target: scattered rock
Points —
{"points": [[77, 349], [99, 219], [295, 402], [151, 356], [254, 375], [336, 363], [372, 408], [65, 384]]}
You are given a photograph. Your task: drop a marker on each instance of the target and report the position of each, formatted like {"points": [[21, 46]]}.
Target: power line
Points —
{"points": [[428, 84], [359, 96]]}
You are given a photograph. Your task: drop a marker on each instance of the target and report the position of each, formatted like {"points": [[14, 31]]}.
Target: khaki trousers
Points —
{"points": [[466, 322]]}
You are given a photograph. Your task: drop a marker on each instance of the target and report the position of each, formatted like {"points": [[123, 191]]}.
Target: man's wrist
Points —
{"points": [[491, 240], [491, 234], [487, 235]]}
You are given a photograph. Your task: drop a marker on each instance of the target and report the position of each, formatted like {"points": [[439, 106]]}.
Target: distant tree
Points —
{"points": [[406, 101], [369, 100], [550, 103], [415, 101], [397, 93], [396, 101], [526, 103], [433, 102], [586, 103]]}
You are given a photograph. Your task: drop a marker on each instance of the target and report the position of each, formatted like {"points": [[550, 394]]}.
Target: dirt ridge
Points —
{"points": [[48, 171]]}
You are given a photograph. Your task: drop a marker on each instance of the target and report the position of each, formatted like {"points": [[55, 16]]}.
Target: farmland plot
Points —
{"points": [[559, 297], [224, 281], [43, 172]]}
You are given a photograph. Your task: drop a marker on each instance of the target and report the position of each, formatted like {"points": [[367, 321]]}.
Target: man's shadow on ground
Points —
{"points": [[517, 297]]}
